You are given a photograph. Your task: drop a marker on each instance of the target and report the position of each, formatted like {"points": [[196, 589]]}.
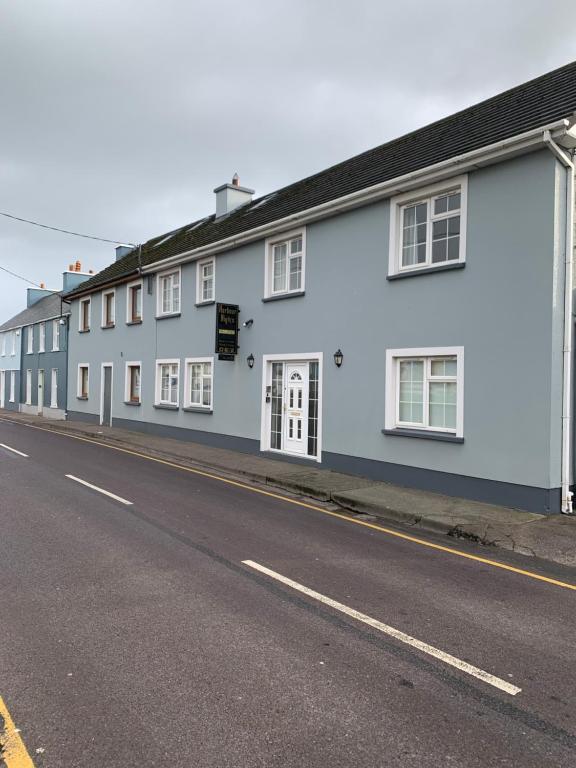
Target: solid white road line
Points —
{"points": [[2, 445], [100, 490], [463, 666]]}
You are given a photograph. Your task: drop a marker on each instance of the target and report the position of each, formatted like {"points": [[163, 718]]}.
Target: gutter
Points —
{"points": [[567, 494], [447, 168]]}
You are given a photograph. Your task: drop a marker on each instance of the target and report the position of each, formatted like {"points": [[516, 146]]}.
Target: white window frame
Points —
{"points": [[393, 358], [200, 281], [129, 319], [14, 336], [4, 337], [188, 362], [28, 393], [79, 381], [56, 335], [131, 364], [81, 327], [269, 263], [12, 397], [397, 205], [105, 294], [30, 340], [54, 389], [42, 337], [158, 382], [159, 293]]}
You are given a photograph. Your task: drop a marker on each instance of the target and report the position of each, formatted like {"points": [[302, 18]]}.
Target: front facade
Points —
{"points": [[10, 346], [416, 335]]}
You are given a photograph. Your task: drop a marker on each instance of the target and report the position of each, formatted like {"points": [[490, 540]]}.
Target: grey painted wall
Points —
{"points": [[504, 307], [45, 361]]}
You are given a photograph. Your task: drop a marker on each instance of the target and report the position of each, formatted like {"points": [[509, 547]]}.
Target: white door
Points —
{"points": [[54, 388], [40, 391], [2, 388], [295, 408]]}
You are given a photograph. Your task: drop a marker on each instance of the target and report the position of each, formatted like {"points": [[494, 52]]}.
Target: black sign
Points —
{"points": [[227, 331]]}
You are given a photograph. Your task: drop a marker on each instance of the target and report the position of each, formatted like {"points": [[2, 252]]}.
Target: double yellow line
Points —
{"points": [[13, 753], [306, 505]]}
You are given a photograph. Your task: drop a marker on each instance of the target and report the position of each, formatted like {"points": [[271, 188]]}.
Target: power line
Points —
{"points": [[66, 231], [15, 274]]}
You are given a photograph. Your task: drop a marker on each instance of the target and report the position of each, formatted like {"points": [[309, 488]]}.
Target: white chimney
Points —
{"points": [[231, 196]]}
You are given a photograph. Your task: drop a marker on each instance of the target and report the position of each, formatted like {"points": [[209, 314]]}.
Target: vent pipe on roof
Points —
{"points": [[231, 196]]}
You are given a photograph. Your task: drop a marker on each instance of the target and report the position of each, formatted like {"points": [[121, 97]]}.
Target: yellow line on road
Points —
{"points": [[306, 505], [13, 753]]}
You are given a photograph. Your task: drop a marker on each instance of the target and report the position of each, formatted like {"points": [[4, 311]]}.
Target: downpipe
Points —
{"points": [[567, 501]]}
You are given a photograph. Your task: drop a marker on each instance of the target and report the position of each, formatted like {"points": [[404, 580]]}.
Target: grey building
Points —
{"points": [[37, 342], [405, 315]]}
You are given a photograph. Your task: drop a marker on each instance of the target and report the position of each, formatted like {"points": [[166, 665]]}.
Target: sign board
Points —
{"points": [[227, 330]]}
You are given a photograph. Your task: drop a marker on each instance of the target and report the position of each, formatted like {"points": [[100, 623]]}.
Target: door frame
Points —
{"points": [[102, 367], [40, 374], [265, 416]]}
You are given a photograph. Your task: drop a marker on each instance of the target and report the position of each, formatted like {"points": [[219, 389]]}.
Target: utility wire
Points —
{"points": [[14, 274], [66, 231]]}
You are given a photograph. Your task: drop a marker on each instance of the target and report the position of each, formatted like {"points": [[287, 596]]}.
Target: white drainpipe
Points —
{"points": [[568, 326]]}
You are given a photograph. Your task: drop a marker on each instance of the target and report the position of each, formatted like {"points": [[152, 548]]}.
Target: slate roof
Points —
{"points": [[41, 310], [538, 102]]}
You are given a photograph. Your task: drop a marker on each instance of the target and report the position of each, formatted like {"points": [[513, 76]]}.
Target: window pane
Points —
{"points": [[411, 391], [439, 229], [443, 405], [439, 251], [409, 216], [454, 201], [296, 245], [453, 248], [441, 204], [279, 268], [421, 212], [454, 225], [295, 273]]}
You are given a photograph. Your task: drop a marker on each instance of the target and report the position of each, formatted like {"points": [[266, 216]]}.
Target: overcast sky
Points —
{"points": [[119, 117]]}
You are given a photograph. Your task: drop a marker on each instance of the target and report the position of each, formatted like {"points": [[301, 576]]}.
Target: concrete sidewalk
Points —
{"points": [[548, 537]]}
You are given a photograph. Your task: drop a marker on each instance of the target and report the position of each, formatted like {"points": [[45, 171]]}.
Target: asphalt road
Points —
{"points": [[137, 635]]}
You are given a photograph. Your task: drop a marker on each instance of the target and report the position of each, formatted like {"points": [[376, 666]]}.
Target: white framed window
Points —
{"points": [[14, 336], [84, 315], [205, 280], [168, 293], [108, 309], [134, 302], [56, 335], [4, 336], [285, 264], [425, 389], [133, 383], [428, 227], [30, 340], [167, 382], [83, 386], [42, 337], [12, 397], [29, 387], [198, 382], [54, 388]]}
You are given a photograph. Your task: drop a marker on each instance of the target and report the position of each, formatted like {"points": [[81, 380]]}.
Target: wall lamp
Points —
{"points": [[248, 323], [338, 358], [250, 360]]}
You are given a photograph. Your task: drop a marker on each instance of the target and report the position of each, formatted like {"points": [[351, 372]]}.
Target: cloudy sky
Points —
{"points": [[119, 117]]}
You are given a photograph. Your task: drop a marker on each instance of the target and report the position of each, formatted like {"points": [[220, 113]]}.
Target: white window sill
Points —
{"points": [[167, 406], [167, 315], [197, 409]]}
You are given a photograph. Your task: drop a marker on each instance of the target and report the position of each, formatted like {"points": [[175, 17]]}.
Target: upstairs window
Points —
{"points": [[205, 289], [42, 337], [169, 293], [134, 304], [14, 335], [30, 339], [285, 261], [55, 335], [4, 335], [84, 319], [108, 309], [428, 229]]}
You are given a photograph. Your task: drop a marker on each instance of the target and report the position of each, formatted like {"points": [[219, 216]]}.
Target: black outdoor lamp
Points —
{"points": [[250, 360], [338, 358]]}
